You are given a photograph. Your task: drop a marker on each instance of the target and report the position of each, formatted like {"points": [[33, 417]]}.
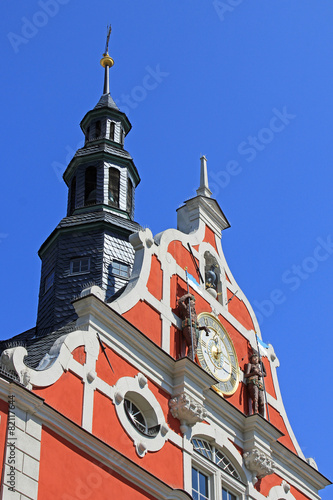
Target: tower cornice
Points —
{"points": [[83, 156], [102, 111], [122, 226]]}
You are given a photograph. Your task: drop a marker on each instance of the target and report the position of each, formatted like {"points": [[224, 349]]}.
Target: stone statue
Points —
{"points": [[254, 374], [188, 314], [211, 277]]}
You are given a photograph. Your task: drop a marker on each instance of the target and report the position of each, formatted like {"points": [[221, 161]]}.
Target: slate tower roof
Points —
{"points": [[91, 244]]}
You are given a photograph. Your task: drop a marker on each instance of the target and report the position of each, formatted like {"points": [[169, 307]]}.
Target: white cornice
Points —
{"points": [[202, 209], [258, 432], [126, 340], [298, 471]]}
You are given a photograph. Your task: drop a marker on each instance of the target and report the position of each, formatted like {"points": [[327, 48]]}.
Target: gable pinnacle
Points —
{"points": [[203, 189], [107, 62]]}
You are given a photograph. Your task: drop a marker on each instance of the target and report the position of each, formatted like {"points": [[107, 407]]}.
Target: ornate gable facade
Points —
{"points": [[101, 399]]}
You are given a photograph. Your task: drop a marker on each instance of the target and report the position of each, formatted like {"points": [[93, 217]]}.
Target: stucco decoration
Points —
{"points": [[187, 410], [258, 463], [281, 492], [136, 390], [311, 461], [12, 361], [54, 363], [94, 290], [200, 222]]}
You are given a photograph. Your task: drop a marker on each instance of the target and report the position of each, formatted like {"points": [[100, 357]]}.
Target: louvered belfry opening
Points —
{"points": [[114, 182], [90, 186], [129, 196], [112, 130], [72, 199]]}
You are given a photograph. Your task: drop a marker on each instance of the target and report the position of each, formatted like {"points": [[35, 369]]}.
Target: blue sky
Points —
{"points": [[251, 88]]}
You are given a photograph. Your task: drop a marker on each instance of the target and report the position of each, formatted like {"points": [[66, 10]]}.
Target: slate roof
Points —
{"points": [[100, 216], [92, 148], [106, 101], [36, 345]]}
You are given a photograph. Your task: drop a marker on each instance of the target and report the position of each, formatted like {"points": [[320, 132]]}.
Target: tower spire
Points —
{"points": [[107, 62], [203, 188]]}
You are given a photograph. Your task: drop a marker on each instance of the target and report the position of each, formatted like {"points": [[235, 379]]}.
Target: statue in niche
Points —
{"points": [[190, 326], [211, 277], [254, 373]]}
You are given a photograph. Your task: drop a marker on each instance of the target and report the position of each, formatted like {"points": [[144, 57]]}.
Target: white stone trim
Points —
{"points": [[281, 492], [174, 377], [145, 247], [138, 385], [217, 478], [214, 435], [91, 445], [25, 451], [166, 339]]}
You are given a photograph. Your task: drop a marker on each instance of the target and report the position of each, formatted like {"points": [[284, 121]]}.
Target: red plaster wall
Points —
{"points": [[155, 280], [165, 464], [264, 486], [268, 380], [239, 311], [3, 430], [67, 473], [164, 398], [79, 355], [176, 342], [278, 422], [123, 369], [147, 320], [183, 257], [65, 396], [210, 237]]}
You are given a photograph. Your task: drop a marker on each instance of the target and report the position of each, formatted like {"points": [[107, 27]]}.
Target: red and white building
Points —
{"points": [[99, 400]]}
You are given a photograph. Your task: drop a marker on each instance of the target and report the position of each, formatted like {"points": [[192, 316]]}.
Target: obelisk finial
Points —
{"points": [[203, 189], [107, 62]]}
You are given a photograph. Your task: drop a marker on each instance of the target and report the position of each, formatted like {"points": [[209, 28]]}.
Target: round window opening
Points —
{"points": [[141, 415]]}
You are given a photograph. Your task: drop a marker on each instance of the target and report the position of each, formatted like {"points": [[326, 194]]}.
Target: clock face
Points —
{"points": [[217, 354]]}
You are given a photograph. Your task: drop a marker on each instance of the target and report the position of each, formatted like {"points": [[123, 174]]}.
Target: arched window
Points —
{"points": [[215, 455], [112, 129], [90, 186], [72, 195], [97, 129], [212, 470], [114, 178], [129, 196]]}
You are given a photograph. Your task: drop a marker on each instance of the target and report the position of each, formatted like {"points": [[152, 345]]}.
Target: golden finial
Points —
{"points": [[106, 59]]}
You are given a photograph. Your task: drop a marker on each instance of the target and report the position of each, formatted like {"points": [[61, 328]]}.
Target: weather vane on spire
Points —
{"points": [[108, 33], [107, 61]]}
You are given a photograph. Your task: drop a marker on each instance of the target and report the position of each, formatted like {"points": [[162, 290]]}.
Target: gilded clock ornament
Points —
{"points": [[217, 355]]}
